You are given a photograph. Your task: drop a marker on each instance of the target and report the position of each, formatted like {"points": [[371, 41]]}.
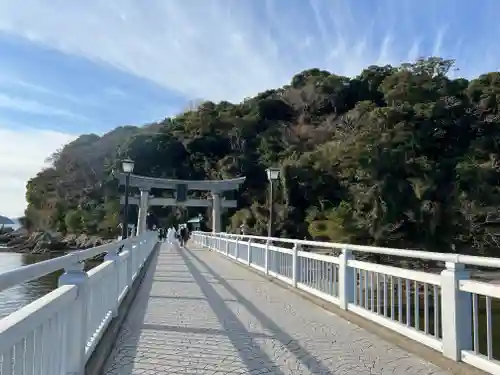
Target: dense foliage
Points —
{"points": [[398, 156]]}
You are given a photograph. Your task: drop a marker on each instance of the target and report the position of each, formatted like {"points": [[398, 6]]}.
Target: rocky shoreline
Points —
{"points": [[21, 241]]}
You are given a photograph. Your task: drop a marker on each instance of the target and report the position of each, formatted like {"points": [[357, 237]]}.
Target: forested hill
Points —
{"points": [[399, 156]]}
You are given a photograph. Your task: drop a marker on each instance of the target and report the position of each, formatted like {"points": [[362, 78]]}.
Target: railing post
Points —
{"points": [[266, 258], [227, 246], [249, 259], [138, 256], [130, 266], [346, 280], [456, 312], [295, 263], [114, 257], [76, 339], [276, 260], [236, 251]]}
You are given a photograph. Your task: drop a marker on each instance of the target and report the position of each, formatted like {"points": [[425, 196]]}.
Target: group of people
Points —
{"points": [[171, 234]]}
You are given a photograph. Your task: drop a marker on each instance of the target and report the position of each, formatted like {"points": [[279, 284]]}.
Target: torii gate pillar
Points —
{"points": [[216, 212], [143, 211]]}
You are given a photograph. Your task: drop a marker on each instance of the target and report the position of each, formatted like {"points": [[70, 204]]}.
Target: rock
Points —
{"points": [[4, 238], [50, 242], [69, 240], [16, 241]]}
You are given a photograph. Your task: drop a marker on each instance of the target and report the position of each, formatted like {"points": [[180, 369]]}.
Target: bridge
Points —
{"points": [[232, 304]]}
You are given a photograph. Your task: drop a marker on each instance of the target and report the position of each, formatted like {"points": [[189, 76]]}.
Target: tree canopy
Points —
{"points": [[400, 156]]}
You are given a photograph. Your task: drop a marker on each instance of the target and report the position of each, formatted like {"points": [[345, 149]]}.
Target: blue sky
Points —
{"points": [[73, 67]]}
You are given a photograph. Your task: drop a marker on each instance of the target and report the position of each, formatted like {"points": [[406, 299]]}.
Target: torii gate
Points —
{"points": [[181, 188]]}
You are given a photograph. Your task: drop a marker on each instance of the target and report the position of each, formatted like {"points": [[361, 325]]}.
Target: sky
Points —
{"points": [[69, 67]]}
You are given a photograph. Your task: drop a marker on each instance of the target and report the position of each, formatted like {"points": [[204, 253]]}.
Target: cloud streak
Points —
{"points": [[220, 49], [33, 106]]}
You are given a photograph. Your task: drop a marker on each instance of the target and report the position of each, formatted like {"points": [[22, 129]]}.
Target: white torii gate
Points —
{"points": [[216, 188]]}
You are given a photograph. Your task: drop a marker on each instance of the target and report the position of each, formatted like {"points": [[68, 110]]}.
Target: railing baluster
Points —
{"points": [[400, 300], [29, 355], [18, 358], [378, 293], [416, 311], [489, 330], [435, 295], [372, 294], [393, 291], [8, 362], [426, 309], [475, 316], [295, 264], [385, 295], [408, 303]]}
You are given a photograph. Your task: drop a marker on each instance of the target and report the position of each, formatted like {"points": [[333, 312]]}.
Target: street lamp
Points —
{"points": [[272, 175], [128, 168]]}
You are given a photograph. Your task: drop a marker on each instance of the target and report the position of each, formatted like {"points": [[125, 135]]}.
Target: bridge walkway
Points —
{"points": [[199, 313]]}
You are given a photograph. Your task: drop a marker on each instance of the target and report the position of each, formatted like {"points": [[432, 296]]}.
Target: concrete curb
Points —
{"points": [[97, 360], [412, 347]]}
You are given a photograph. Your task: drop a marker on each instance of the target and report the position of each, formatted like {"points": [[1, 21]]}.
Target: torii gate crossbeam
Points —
{"points": [[216, 187]]}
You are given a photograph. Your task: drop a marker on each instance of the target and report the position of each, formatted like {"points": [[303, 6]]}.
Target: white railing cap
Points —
{"points": [[30, 272], [406, 253]]}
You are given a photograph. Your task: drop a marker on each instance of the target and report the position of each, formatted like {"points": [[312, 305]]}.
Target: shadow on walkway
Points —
{"points": [[242, 340], [216, 302], [122, 358]]}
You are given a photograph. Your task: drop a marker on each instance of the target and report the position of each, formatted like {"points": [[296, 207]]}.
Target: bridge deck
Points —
{"points": [[198, 313]]}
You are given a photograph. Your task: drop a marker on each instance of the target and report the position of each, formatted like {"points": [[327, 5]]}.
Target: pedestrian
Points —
{"points": [[186, 235], [182, 236]]}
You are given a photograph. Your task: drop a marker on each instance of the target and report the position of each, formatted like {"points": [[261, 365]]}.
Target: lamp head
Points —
{"points": [[273, 173], [128, 165]]}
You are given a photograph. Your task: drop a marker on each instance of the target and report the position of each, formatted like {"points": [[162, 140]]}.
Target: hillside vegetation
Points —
{"points": [[396, 156]]}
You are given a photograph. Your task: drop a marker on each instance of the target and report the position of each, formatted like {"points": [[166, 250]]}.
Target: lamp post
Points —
{"points": [[272, 175], [128, 167]]}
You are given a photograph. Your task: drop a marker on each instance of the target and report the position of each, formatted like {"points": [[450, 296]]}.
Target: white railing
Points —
{"points": [[446, 311], [57, 333]]}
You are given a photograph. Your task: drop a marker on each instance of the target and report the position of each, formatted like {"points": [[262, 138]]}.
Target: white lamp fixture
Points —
{"points": [[128, 165], [273, 174]]}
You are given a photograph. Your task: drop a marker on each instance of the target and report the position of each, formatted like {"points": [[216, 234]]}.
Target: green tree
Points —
{"points": [[74, 221]]}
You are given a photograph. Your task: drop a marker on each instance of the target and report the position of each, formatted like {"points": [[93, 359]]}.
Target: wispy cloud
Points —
{"points": [[32, 106], [23, 154], [10, 81], [221, 49]]}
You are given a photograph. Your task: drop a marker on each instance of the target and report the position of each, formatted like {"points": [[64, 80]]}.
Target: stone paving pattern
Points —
{"points": [[198, 313]]}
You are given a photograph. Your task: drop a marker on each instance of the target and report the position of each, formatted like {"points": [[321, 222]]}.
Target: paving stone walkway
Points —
{"points": [[198, 313]]}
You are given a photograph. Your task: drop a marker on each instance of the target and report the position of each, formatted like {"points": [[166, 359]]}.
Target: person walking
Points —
{"points": [[169, 235], [186, 235], [182, 235]]}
